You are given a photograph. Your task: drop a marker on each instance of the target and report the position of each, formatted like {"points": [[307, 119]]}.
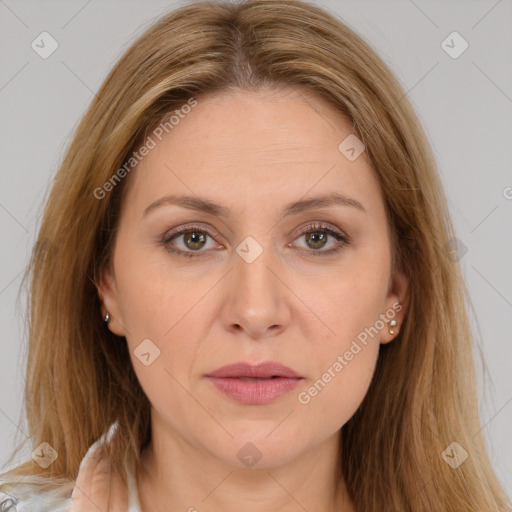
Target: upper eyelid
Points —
{"points": [[196, 225], [321, 225], [190, 227]]}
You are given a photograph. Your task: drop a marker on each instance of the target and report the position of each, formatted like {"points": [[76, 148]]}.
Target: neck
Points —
{"points": [[176, 476]]}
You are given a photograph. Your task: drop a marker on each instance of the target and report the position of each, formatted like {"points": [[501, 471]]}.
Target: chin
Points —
{"points": [[260, 451]]}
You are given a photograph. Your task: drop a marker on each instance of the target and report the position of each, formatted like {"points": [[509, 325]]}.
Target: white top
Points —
{"points": [[26, 496]]}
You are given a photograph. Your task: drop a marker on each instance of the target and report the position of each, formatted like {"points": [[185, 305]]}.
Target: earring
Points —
{"points": [[392, 325], [106, 320]]}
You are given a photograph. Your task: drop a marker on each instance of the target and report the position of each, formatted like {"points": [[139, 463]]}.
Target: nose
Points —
{"points": [[256, 300]]}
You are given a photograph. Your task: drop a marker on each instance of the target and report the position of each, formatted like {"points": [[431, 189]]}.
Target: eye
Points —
{"points": [[319, 236], [188, 241], [195, 241]]}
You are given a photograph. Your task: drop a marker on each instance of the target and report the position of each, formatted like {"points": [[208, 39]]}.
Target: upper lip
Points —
{"points": [[262, 370]]}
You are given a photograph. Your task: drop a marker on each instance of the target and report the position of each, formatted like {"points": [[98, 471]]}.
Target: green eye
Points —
{"points": [[194, 240], [189, 241], [316, 239], [318, 236]]}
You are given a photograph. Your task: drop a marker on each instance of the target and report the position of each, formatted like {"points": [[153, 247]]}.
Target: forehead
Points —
{"points": [[269, 126], [244, 147]]}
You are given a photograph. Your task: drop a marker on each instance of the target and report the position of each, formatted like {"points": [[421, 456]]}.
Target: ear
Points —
{"points": [[397, 302], [109, 300]]}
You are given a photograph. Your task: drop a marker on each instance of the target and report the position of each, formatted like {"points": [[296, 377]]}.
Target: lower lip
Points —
{"points": [[256, 392]]}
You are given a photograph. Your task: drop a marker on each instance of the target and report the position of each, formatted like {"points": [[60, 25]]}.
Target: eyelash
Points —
{"points": [[312, 228]]}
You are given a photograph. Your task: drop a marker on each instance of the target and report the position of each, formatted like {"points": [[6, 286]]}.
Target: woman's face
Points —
{"points": [[274, 248]]}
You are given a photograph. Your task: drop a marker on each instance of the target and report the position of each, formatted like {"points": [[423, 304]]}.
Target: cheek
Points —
{"points": [[168, 306], [349, 307], [162, 317], [345, 359], [347, 301], [155, 297], [332, 399]]}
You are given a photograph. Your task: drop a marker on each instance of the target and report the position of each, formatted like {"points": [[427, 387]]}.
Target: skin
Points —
{"points": [[251, 152]]}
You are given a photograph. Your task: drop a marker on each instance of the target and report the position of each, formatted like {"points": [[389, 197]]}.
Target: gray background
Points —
{"points": [[465, 105]]}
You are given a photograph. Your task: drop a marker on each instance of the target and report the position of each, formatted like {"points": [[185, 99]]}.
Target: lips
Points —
{"points": [[262, 371], [255, 384]]}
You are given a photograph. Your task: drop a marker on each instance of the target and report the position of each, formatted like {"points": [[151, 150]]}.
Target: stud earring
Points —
{"points": [[392, 325], [106, 320]]}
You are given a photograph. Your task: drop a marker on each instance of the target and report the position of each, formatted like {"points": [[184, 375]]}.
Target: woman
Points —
{"points": [[241, 295]]}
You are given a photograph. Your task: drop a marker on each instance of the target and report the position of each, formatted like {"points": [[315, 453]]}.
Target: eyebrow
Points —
{"points": [[208, 206]]}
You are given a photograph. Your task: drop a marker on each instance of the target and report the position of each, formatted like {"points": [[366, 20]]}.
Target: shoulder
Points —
{"points": [[94, 482], [35, 494]]}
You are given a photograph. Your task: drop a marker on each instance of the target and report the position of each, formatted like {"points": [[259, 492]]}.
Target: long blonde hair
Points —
{"points": [[423, 394]]}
